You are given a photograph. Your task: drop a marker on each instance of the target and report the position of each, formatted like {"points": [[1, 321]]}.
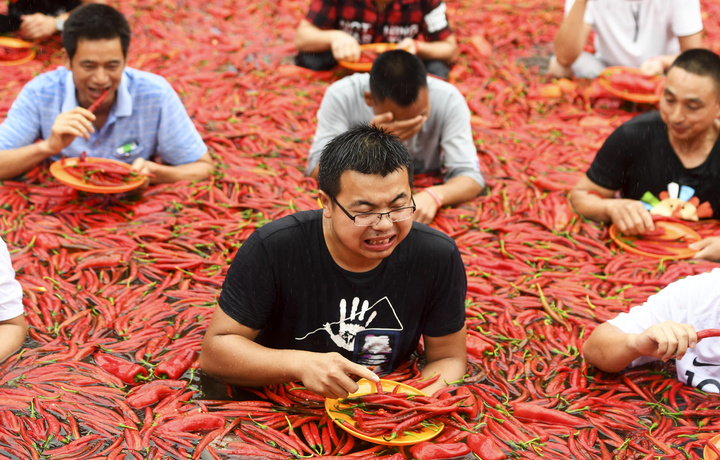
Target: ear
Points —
{"points": [[369, 99], [66, 62], [326, 203]]}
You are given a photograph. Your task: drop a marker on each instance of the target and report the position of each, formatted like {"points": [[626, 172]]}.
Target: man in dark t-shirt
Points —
{"points": [[38, 19], [321, 295], [667, 162]]}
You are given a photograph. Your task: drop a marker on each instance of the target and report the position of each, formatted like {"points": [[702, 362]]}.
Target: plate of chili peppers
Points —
{"points": [[368, 53], [669, 240], [390, 413], [97, 175], [712, 448], [14, 51], [632, 85]]}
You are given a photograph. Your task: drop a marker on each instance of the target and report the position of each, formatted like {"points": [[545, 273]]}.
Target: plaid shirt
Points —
{"points": [[401, 19]]}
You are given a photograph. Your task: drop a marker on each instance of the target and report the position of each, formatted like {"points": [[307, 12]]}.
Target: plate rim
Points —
{"points": [[614, 234], [366, 66], [57, 171]]}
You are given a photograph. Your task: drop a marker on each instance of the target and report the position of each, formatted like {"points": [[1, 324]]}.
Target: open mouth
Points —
{"points": [[380, 244]]}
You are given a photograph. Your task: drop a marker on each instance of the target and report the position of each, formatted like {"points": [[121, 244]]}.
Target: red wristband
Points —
{"points": [[434, 197]]}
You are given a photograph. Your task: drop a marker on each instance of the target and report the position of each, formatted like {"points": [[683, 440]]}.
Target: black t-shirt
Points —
{"points": [[284, 282], [639, 158]]}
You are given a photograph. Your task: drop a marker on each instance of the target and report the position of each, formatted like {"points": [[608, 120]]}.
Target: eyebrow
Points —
{"points": [[90, 61], [368, 203]]}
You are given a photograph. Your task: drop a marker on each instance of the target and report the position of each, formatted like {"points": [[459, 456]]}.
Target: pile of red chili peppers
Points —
{"points": [[119, 291]]}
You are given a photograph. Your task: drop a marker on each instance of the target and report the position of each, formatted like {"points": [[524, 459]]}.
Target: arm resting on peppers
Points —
{"points": [[598, 203], [571, 35], [229, 353], [612, 350], [13, 333]]}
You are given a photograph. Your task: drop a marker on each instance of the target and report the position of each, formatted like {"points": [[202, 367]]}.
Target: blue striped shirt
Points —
{"points": [[147, 118]]}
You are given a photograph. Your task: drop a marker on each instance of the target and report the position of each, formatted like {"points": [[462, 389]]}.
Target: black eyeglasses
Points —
{"points": [[368, 219]]}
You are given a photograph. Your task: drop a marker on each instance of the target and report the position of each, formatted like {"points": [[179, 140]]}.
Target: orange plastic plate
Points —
{"points": [[366, 387], [58, 171], [10, 42], [674, 231], [708, 454], [645, 98], [366, 66]]}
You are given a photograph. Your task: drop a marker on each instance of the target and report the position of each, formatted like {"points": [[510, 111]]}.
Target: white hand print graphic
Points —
{"points": [[349, 326]]}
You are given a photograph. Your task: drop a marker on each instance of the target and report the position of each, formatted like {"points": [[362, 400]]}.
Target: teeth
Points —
{"points": [[378, 242]]}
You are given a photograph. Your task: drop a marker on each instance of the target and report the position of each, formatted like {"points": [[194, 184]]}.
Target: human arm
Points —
{"points": [[658, 65], [572, 34], [166, 174], [447, 356], [458, 189], [311, 39], [443, 50], [38, 26], [66, 127], [13, 332], [597, 203], [708, 248], [612, 350], [229, 353]]}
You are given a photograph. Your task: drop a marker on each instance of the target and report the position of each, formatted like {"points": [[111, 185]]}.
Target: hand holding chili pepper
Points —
{"points": [[629, 216], [77, 122], [665, 340], [144, 167]]}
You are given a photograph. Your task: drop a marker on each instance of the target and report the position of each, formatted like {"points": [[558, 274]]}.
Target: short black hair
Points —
{"points": [[95, 21], [397, 75], [365, 149], [702, 62]]}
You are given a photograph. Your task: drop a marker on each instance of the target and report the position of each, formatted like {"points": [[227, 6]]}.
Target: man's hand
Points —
{"points": [[67, 126], [143, 166], [344, 47], [404, 129], [408, 44], [328, 374], [664, 340], [653, 66], [37, 26], [629, 216], [427, 208], [709, 248]]}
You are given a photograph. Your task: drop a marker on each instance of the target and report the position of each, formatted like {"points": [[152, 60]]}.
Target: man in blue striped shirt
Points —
{"points": [[141, 121]]}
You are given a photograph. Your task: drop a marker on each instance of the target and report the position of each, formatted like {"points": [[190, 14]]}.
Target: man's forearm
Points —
{"points": [[607, 349], [569, 40], [443, 50], [311, 39], [589, 205], [459, 189], [13, 333], [450, 370], [165, 174], [15, 162], [240, 361]]}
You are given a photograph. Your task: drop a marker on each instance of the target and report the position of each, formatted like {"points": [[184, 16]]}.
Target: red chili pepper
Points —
{"points": [[484, 447], [429, 451], [534, 412], [94, 106], [706, 333], [197, 422], [633, 83], [176, 366], [124, 370]]}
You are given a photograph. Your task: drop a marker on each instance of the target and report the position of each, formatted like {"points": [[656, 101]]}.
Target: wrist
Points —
{"points": [[434, 196]]}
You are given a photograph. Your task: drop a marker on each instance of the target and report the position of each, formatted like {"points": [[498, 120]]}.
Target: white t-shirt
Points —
{"points": [[10, 291], [444, 141], [694, 300], [628, 32]]}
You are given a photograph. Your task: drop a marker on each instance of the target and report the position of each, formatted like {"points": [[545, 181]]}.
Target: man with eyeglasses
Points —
{"points": [[322, 296]]}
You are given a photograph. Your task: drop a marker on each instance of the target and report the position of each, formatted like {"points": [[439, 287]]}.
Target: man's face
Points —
{"points": [[363, 248], [689, 105], [421, 106], [97, 65]]}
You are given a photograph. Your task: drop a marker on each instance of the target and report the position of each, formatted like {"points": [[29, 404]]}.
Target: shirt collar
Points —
{"points": [[123, 102]]}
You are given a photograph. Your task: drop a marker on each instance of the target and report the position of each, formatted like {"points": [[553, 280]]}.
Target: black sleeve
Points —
{"points": [[447, 305], [611, 161], [249, 291]]}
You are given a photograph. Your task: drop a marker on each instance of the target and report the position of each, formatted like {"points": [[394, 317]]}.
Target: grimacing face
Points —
{"points": [[363, 248], [97, 66], [689, 105]]}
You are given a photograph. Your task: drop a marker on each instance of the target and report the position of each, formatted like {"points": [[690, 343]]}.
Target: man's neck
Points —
{"points": [[693, 152]]}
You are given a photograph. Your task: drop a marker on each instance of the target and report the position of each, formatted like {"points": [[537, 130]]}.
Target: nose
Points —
{"points": [[101, 76], [384, 223], [678, 114]]}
